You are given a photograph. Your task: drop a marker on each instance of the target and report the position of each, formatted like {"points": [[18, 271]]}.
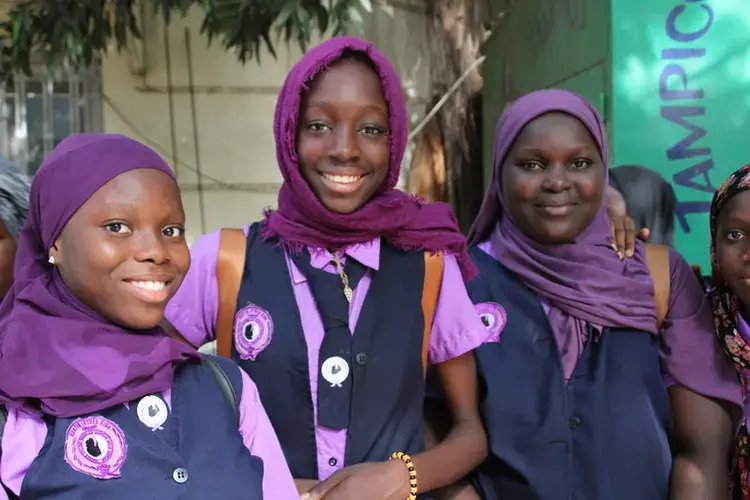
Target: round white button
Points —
{"points": [[335, 370], [153, 412], [180, 475]]}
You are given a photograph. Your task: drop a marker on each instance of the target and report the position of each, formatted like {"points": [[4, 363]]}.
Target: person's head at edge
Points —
{"points": [[101, 254], [729, 293], [730, 248], [341, 132], [650, 199], [14, 206]]}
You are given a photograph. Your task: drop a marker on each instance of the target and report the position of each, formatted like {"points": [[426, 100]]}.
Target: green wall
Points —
{"points": [[541, 44], [681, 102]]}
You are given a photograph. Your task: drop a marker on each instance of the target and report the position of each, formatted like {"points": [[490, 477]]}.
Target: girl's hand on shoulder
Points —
{"points": [[367, 481], [623, 227], [624, 236]]}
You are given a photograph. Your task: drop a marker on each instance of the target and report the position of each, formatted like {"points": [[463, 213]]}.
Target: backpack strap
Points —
{"points": [[225, 385], [3, 418], [434, 264], [657, 259], [230, 264]]}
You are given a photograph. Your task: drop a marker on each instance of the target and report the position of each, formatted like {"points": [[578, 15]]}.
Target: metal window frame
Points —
{"points": [[84, 94]]}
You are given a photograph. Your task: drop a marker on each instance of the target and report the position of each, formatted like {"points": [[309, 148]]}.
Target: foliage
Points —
{"points": [[73, 33]]}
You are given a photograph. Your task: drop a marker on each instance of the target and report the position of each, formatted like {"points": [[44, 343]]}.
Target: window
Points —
{"points": [[38, 112]]}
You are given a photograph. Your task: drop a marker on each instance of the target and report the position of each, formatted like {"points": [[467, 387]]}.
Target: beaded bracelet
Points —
{"points": [[399, 455]]}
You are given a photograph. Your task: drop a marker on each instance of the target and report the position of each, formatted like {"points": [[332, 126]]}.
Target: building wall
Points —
{"points": [[231, 138]]}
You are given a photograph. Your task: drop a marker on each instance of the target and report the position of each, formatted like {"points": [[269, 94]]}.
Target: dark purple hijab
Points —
{"points": [[583, 281], [56, 354], [404, 221]]}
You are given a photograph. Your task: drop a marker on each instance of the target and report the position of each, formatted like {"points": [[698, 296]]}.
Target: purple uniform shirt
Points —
{"points": [[457, 327], [24, 437], [693, 356]]}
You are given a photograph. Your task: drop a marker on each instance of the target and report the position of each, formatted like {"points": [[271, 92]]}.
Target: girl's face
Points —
{"points": [[123, 253], [733, 245], [342, 142], [553, 179]]}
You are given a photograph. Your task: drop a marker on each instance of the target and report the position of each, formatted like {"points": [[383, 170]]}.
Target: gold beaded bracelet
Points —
{"points": [[400, 455]]}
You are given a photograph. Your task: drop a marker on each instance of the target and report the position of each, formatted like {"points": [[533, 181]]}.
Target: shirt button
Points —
{"points": [[332, 462], [361, 359], [180, 475], [575, 422]]}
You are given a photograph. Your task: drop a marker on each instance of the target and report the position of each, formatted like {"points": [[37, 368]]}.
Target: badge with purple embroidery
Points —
{"points": [[253, 330], [96, 446], [493, 318]]}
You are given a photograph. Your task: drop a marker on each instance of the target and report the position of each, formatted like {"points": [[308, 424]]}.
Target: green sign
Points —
{"points": [[681, 101]]}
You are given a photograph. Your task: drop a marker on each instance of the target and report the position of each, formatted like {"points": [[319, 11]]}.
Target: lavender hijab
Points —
{"points": [[56, 354], [583, 281], [402, 220]]}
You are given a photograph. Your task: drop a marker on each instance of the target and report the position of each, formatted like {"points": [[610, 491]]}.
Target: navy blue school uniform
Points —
{"points": [[603, 435], [387, 383], [149, 449]]}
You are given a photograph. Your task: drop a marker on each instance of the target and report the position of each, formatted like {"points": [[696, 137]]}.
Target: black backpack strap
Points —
{"points": [[225, 385], [3, 418]]}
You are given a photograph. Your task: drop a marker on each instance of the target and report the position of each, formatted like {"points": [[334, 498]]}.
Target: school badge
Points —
{"points": [[96, 446], [494, 318], [253, 331]]}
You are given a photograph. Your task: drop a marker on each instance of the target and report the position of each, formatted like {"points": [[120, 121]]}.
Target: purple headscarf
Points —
{"points": [[56, 354], [583, 281], [302, 220]]}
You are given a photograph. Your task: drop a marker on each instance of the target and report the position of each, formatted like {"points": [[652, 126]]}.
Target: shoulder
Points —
{"points": [[686, 290]]}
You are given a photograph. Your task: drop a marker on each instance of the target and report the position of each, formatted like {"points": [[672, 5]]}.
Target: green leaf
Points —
{"points": [[73, 33]]}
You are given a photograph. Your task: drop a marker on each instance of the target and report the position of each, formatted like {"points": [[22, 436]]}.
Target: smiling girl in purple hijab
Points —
{"points": [[329, 320], [586, 396], [100, 401]]}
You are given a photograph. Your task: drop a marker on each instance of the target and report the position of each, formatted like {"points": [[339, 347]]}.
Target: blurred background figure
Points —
{"points": [[650, 200], [14, 206]]}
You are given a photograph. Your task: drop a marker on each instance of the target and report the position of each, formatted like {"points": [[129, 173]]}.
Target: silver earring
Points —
{"points": [[51, 260]]}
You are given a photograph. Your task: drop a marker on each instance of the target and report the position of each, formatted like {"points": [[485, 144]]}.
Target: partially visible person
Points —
{"points": [[593, 391], [730, 297], [651, 201], [14, 205], [101, 402], [641, 204]]}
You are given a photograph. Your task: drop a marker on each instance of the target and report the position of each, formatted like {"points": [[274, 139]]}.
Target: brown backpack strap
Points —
{"points": [[433, 278], [229, 266], [657, 259]]}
